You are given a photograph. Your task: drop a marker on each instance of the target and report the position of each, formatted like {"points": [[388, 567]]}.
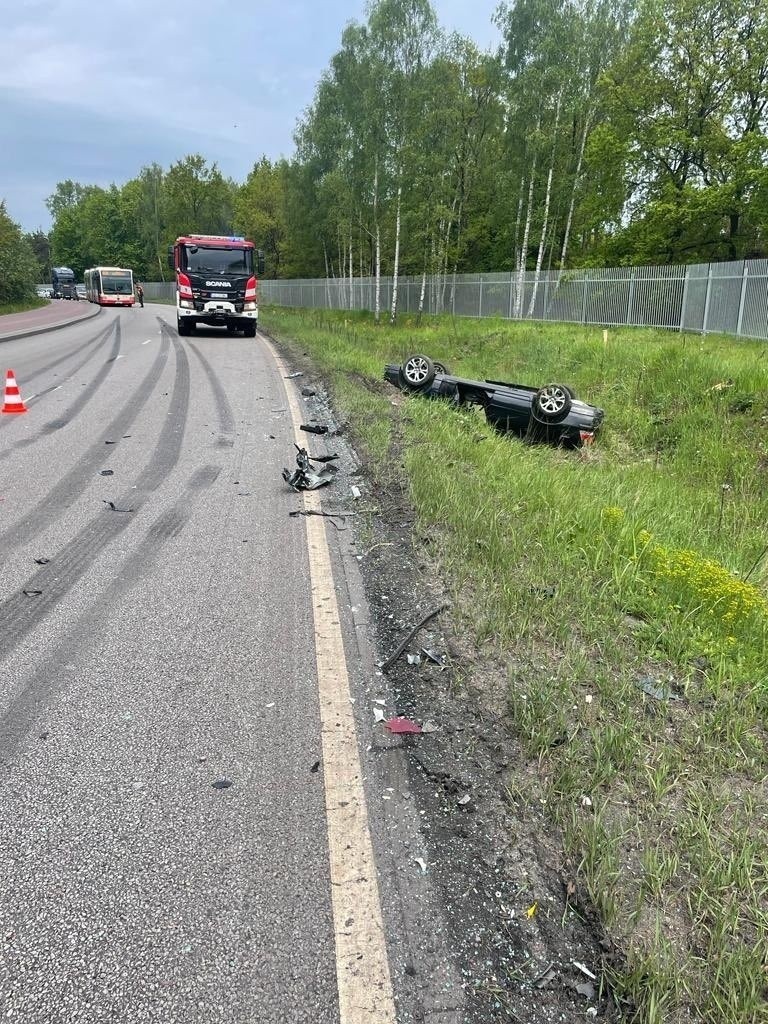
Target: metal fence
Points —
{"points": [[729, 298]]}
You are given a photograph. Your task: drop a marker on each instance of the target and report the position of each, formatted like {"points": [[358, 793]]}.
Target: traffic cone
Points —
{"points": [[12, 402]]}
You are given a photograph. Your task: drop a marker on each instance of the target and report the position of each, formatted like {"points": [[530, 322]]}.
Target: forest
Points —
{"points": [[602, 133]]}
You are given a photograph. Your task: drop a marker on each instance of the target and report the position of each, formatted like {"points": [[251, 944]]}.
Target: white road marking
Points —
{"points": [[29, 398], [362, 966]]}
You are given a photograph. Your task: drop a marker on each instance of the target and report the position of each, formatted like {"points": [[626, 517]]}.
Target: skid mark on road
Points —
{"points": [[35, 696], [20, 613], [48, 509], [362, 965], [95, 340], [77, 405]]}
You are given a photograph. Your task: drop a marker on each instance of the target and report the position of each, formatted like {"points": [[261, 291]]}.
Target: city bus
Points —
{"points": [[109, 286]]}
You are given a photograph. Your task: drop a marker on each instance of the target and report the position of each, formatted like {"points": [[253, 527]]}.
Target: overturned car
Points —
{"points": [[551, 414]]}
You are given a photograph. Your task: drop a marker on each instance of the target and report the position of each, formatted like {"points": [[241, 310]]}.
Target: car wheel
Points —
{"points": [[441, 368], [552, 402], [182, 325], [417, 372]]}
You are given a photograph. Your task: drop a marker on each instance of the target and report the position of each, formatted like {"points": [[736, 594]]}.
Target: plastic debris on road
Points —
{"points": [[314, 428], [422, 864], [356, 493], [296, 373], [413, 659], [378, 715], [402, 726], [221, 784], [304, 477]]}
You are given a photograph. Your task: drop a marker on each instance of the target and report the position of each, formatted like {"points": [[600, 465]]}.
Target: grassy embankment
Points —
{"points": [[22, 307], [655, 544]]}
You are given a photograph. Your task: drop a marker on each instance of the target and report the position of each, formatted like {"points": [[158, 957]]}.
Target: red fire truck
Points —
{"points": [[216, 282]]}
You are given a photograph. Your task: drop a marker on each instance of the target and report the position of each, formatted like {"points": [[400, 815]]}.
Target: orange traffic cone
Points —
{"points": [[12, 402]]}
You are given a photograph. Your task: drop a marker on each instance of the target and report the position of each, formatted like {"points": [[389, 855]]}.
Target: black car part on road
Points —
{"points": [[551, 414]]}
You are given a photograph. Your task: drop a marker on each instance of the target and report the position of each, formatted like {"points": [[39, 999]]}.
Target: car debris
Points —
{"points": [[42, 561], [107, 472], [308, 392], [659, 691], [430, 726], [304, 477], [378, 716], [584, 970], [296, 373], [402, 726], [413, 659], [114, 507], [32, 593], [385, 665], [314, 428], [356, 492], [436, 659], [551, 414], [422, 864]]}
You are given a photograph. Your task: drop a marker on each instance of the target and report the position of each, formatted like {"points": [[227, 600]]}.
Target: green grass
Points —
{"points": [[22, 307], [654, 545]]}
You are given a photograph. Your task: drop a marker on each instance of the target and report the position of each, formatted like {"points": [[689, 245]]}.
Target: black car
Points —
{"points": [[551, 414]]}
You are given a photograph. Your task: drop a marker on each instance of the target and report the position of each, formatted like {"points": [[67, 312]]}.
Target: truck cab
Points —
{"points": [[216, 282]]}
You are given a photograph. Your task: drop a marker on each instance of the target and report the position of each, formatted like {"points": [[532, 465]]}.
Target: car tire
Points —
{"points": [[441, 368], [417, 372], [182, 326], [250, 331], [552, 402]]}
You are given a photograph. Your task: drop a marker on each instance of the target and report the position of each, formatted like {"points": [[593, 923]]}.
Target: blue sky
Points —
{"points": [[94, 91]]}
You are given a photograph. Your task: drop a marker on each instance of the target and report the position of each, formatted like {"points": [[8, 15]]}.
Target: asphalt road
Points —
{"points": [[163, 832]]}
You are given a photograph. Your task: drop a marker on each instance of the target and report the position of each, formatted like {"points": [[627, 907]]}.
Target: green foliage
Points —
{"points": [[604, 132], [18, 266]]}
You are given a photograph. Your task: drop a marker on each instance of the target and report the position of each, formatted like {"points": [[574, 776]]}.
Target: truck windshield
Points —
{"points": [[220, 261]]}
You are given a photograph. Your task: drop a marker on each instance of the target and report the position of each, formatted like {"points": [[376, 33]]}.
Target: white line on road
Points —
{"points": [[362, 967]]}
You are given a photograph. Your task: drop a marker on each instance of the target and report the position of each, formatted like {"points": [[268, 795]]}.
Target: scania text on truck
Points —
{"points": [[63, 283], [109, 286], [216, 282]]}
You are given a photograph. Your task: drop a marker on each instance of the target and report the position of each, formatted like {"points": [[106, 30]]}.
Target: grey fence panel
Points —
{"points": [[160, 290], [724, 297]]}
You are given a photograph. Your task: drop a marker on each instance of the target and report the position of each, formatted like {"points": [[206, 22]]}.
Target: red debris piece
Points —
{"points": [[402, 725]]}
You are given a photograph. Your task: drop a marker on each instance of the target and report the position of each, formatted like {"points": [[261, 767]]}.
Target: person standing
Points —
{"points": [[140, 295]]}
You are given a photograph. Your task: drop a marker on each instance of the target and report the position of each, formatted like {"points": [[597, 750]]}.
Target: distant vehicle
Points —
{"points": [[44, 293], [551, 414], [63, 283], [109, 286], [81, 291], [216, 282]]}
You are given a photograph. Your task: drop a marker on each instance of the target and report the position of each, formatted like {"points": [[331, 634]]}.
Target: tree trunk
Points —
{"points": [[396, 268], [524, 250], [377, 298], [547, 198], [576, 177]]}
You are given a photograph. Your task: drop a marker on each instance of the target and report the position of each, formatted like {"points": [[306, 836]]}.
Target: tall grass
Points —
{"points": [[599, 578]]}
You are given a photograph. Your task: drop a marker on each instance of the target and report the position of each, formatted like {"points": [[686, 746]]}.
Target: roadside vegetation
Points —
{"points": [[623, 592], [18, 268]]}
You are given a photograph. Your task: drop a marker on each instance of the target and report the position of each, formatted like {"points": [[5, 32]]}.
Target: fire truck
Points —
{"points": [[216, 282]]}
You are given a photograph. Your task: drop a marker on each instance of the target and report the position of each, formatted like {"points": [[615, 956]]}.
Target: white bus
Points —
{"points": [[110, 286]]}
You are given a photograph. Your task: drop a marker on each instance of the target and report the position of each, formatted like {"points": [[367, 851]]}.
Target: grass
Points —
{"points": [[22, 307], [587, 576]]}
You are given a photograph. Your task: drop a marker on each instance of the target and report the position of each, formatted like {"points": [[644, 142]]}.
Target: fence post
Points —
{"points": [[631, 299], [511, 291], [706, 299], [480, 304], [742, 297], [584, 300], [684, 303]]}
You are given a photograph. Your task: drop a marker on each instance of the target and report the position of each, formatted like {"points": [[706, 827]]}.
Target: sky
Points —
{"points": [[93, 91]]}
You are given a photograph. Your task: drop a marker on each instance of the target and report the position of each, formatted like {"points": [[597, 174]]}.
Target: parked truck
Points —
{"points": [[216, 282], [63, 283]]}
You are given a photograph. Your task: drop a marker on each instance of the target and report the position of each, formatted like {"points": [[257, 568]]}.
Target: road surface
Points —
{"points": [[192, 827]]}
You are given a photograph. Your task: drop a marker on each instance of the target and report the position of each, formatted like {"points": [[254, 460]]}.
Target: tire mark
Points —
{"points": [[48, 508], [77, 405], [95, 340], [223, 407], [90, 390], [19, 614], [18, 718]]}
